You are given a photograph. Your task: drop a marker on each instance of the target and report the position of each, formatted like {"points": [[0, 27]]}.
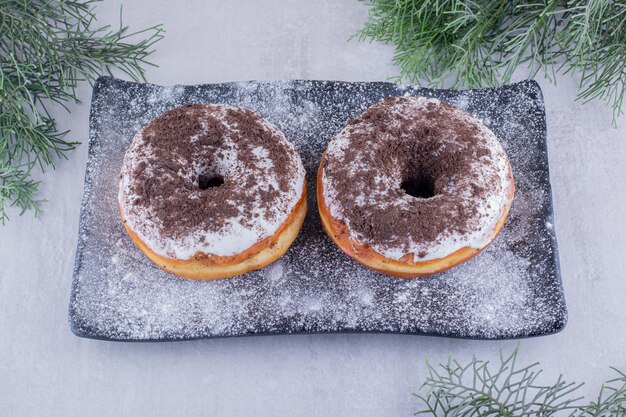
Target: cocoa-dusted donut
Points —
{"points": [[212, 191], [414, 186]]}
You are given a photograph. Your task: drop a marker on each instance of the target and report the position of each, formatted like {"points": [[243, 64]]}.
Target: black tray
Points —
{"points": [[513, 289]]}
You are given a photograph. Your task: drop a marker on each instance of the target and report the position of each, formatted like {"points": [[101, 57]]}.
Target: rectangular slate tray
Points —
{"points": [[513, 289]]}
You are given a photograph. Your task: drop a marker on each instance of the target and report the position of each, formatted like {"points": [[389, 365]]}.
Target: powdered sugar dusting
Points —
{"points": [[512, 289]]}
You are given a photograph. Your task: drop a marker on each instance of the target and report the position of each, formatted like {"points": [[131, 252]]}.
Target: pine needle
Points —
{"points": [[473, 44], [479, 388], [46, 49]]}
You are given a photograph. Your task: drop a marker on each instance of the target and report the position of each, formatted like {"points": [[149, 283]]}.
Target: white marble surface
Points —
{"points": [[45, 370]]}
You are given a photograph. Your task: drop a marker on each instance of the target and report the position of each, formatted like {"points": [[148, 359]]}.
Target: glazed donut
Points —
{"points": [[414, 186], [212, 191]]}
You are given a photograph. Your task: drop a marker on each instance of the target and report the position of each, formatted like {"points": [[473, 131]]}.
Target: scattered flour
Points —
{"points": [[512, 289]]}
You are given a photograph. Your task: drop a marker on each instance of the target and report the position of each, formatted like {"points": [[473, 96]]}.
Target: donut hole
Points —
{"points": [[209, 180], [421, 186]]}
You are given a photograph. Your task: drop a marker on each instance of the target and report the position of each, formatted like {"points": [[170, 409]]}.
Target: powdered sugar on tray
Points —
{"points": [[512, 289]]}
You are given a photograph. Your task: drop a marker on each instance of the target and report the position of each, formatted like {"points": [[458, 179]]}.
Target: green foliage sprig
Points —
{"points": [[478, 43], [47, 47], [479, 389]]}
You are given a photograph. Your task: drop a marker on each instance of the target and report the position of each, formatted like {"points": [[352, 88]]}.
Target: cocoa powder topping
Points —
{"points": [[402, 175], [201, 167]]}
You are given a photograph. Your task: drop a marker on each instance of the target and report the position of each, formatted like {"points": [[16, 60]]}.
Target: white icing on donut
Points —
{"points": [[489, 208], [238, 232]]}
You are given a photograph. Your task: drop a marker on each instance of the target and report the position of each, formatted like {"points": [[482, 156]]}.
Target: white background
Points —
{"points": [[47, 371]]}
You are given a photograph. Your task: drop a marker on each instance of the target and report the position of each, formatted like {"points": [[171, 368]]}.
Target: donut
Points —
{"points": [[211, 191], [413, 186]]}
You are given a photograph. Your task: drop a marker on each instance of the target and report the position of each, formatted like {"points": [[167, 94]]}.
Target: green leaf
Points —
{"points": [[479, 388], [475, 44], [46, 49]]}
